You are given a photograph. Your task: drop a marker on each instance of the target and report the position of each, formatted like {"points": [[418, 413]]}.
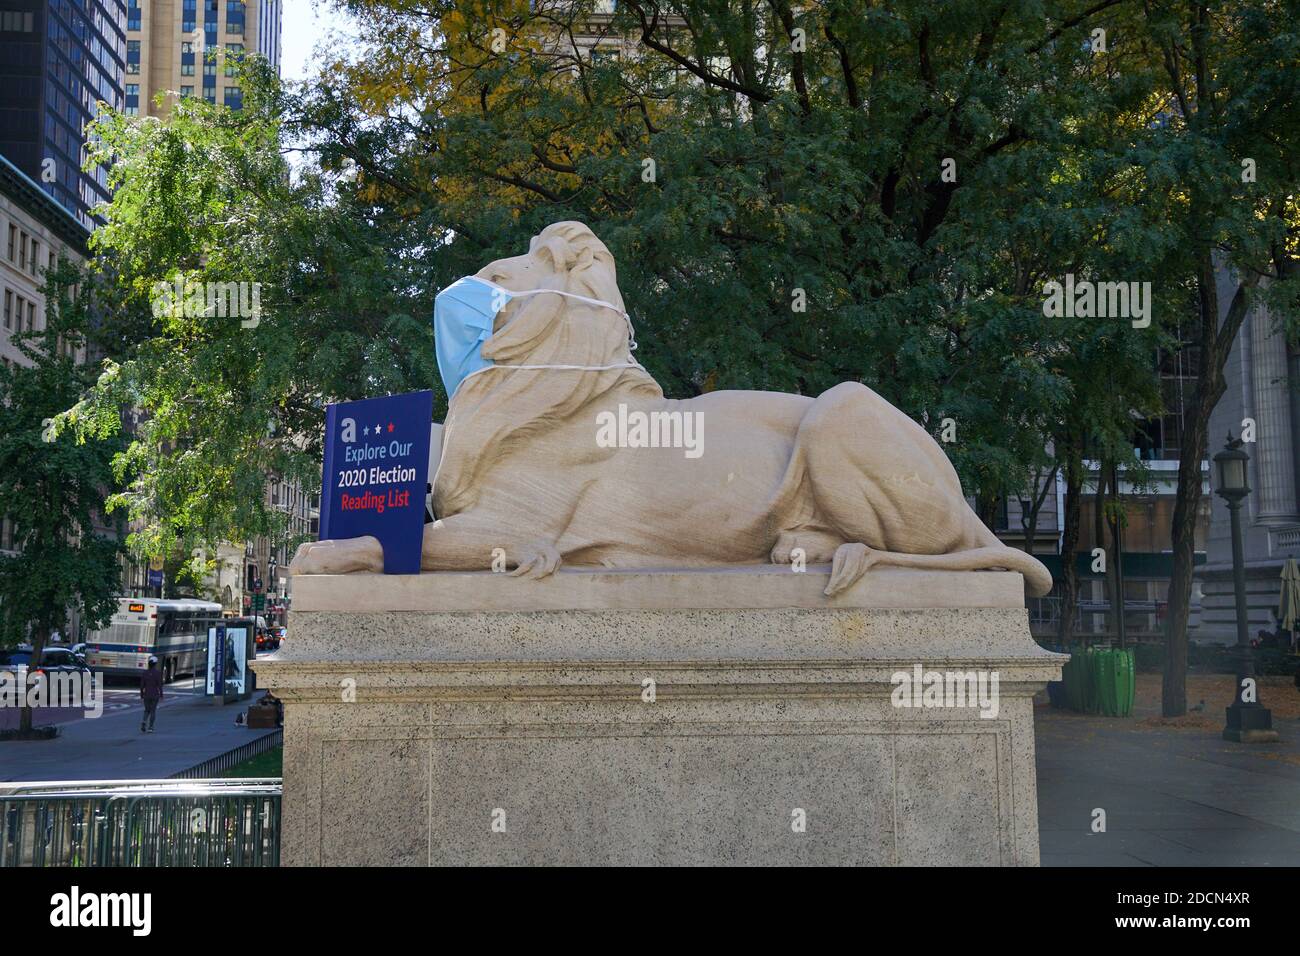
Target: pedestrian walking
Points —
{"points": [[151, 691]]}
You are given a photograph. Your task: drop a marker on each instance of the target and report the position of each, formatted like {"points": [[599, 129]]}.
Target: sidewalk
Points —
{"points": [[190, 730], [1174, 792]]}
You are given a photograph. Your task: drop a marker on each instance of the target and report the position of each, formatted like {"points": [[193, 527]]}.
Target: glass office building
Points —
{"points": [[58, 60]]}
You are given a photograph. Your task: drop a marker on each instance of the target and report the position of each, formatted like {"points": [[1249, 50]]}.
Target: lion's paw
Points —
{"points": [[539, 561], [785, 544], [817, 547], [342, 556]]}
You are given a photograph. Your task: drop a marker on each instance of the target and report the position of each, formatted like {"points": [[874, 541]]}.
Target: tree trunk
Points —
{"points": [[1215, 343], [1173, 690], [1098, 522], [1070, 543], [1029, 519], [1099, 527], [1114, 521], [25, 713]]}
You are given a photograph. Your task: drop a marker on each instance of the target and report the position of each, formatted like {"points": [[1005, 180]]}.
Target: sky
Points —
{"points": [[306, 23]]}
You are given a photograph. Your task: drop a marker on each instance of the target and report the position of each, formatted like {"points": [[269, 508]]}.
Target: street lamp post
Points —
{"points": [[1249, 721]]}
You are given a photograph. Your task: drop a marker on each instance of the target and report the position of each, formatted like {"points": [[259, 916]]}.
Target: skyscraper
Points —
{"points": [[170, 46], [58, 60]]}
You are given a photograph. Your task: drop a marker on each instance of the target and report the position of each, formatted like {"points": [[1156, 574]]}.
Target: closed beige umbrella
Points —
{"points": [[1288, 608]]}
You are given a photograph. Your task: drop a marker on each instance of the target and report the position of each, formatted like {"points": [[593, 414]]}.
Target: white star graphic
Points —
{"points": [[366, 430]]}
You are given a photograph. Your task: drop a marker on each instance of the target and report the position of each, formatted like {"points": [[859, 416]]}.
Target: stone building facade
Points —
{"points": [[1263, 394]]}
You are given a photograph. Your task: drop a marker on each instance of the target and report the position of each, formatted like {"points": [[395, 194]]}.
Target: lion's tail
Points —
{"points": [[1037, 578]]}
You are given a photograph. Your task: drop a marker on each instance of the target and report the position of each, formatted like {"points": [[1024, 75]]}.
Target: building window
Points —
{"points": [[9, 308], [234, 51], [234, 97], [187, 91], [133, 56], [235, 17], [14, 21], [22, 251], [13, 238], [36, 256]]}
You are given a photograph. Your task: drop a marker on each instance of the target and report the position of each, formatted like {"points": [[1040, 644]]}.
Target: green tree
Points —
{"points": [[205, 210], [53, 488], [773, 183], [1223, 171], [795, 197]]}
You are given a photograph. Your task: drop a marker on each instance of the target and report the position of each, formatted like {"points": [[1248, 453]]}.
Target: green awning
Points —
{"points": [[1137, 564]]}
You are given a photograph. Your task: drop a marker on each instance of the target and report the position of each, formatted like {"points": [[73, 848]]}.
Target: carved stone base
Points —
{"points": [[673, 717]]}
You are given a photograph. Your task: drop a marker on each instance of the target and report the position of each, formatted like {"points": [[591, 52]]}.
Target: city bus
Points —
{"points": [[175, 631]]}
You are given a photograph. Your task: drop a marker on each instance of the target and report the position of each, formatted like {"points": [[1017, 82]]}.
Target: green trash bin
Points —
{"points": [[1126, 681], [1117, 676], [1077, 679], [1112, 674], [1104, 684], [1095, 690]]}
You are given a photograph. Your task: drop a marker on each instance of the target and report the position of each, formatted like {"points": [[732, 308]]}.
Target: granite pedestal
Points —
{"points": [[655, 717]]}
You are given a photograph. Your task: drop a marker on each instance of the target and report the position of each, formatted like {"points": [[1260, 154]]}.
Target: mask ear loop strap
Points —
{"points": [[631, 332]]}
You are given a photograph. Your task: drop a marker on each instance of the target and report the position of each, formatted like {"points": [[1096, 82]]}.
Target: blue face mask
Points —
{"points": [[463, 316]]}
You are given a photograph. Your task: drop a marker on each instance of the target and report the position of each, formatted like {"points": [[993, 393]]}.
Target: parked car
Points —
{"points": [[12, 660], [60, 660]]}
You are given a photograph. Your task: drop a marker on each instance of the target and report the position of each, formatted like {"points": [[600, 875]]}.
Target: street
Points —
{"points": [[190, 729], [120, 697]]}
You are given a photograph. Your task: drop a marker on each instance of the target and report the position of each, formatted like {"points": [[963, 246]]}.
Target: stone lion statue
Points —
{"points": [[565, 451]]}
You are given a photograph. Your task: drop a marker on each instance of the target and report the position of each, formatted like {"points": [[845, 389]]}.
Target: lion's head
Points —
{"points": [[494, 411], [540, 329]]}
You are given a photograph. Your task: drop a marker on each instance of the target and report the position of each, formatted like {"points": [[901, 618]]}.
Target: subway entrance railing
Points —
{"points": [[212, 822]]}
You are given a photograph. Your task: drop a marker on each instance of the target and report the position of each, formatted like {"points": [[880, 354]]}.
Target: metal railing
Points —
{"points": [[216, 822], [1142, 618], [232, 758]]}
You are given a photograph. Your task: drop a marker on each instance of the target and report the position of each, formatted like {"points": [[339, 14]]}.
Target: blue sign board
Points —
{"points": [[155, 578], [376, 470], [217, 659]]}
